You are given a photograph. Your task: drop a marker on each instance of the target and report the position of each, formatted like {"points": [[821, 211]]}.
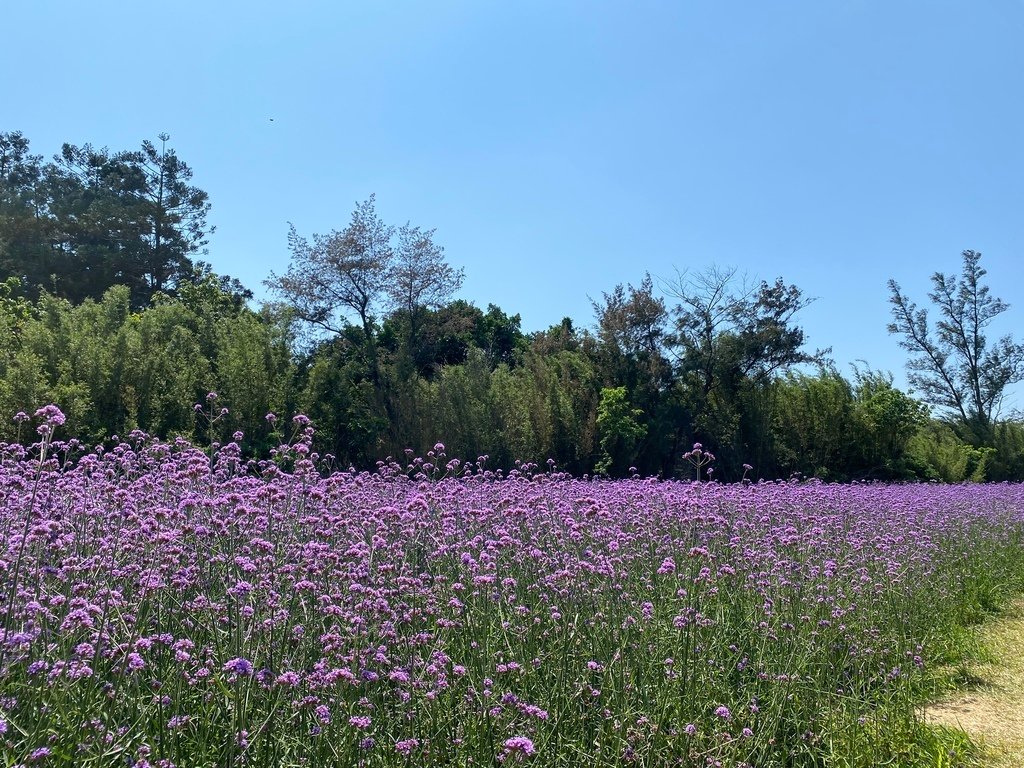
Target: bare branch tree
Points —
{"points": [[419, 277], [342, 273]]}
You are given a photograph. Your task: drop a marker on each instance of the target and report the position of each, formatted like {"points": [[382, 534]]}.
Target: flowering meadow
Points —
{"points": [[166, 606]]}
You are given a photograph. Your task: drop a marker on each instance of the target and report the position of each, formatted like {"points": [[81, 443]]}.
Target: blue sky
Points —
{"points": [[560, 148]]}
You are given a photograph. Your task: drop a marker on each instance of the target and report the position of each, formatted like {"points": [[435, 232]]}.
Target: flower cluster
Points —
{"points": [[699, 458], [175, 608]]}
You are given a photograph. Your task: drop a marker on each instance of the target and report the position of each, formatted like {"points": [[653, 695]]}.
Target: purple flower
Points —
{"points": [[519, 747], [407, 746], [51, 415], [239, 666], [724, 713]]}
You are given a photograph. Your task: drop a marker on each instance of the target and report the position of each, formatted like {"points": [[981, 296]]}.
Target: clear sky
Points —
{"points": [[559, 148]]}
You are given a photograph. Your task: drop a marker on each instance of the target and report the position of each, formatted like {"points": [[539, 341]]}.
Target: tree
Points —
{"points": [[501, 337], [25, 250], [732, 338], [746, 328], [631, 333], [562, 337], [91, 219], [952, 364], [813, 423], [619, 428], [419, 277], [888, 419], [176, 214], [338, 274], [129, 217]]}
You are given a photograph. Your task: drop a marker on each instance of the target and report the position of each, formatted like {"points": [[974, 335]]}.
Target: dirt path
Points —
{"points": [[992, 712]]}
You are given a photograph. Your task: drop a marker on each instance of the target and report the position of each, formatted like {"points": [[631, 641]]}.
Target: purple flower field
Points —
{"points": [[164, 609]]}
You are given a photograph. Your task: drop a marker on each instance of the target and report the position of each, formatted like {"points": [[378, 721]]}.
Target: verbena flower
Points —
{"points": [[239, 666]]}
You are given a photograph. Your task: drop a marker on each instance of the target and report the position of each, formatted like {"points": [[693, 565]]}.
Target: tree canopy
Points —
{"points": [[106, 310], [953, 364], [92, 218]]}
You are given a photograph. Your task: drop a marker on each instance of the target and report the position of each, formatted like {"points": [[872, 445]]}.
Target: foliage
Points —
{"points": [[953, 365], [91, 219], [814, 420], [104, 309], [1007, 461], [937, 453], [619, 429], [419, 278], [339, 272], [114, 369], [886, 421]]}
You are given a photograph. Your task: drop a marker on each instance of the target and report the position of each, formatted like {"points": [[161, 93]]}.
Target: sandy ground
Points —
{"points": [[992, 712]]}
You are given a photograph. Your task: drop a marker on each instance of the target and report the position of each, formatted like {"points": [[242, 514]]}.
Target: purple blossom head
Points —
{"points": [[51, 415], [406, 746], [519, 747], [362, 722], [239, 666]]}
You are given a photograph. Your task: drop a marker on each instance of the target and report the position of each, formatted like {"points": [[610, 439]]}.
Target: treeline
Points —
{"points": [[104, 312]]}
